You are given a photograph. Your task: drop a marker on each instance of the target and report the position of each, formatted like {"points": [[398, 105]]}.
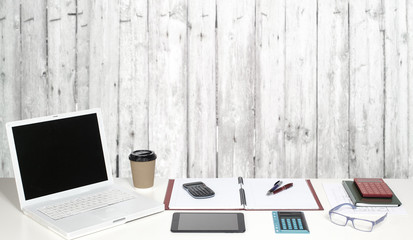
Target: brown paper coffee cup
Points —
{"points": [[143, 168]]}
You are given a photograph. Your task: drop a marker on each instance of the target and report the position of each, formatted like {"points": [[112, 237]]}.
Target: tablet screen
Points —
{"points": [[208, 222]]}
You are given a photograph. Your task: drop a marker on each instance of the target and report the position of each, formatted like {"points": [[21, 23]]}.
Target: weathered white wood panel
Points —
{"points": [[270, 90], [201, 89], [82, 54], [34, 85], [236, 80], [333, 90], [396, 93], [287, 88], [61, 50], [104, 69], [410, 83], [133, 81], [366, 89], [10, 79], [300, 89], [168, 86]]}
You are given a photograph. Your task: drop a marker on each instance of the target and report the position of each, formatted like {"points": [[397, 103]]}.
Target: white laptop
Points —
{"points": [[61, 167]]}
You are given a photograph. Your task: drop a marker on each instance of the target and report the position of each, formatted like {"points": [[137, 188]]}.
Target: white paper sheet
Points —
{"points": [[337, 195], [299, 196], [226, 194]]}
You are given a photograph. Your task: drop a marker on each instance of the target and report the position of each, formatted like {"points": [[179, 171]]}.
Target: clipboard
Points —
{"points": [[249, 194]]}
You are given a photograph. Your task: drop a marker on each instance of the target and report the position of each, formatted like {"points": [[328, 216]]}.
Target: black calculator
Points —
{"points": [[198, 190]]}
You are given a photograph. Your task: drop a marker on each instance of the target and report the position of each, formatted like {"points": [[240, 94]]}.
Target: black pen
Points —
{"points": [[276, 185]]}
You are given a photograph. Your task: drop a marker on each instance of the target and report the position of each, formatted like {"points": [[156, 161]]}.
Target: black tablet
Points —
{"points": [[208, 222]]}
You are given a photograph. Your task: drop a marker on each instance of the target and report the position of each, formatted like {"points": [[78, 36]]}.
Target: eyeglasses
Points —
{"points": [[358, 223]]}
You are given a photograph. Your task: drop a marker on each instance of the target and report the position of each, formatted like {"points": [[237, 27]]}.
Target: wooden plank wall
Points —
{"points": [[218, 88]]}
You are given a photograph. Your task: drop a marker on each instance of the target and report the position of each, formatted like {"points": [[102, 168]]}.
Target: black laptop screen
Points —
{"points": [[59, 155]]}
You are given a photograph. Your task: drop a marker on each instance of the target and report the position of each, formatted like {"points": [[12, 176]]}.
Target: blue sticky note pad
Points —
{"points": [[290, 222]]}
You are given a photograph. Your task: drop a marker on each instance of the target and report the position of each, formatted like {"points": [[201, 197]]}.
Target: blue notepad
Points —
{"points": [[290, 222]]}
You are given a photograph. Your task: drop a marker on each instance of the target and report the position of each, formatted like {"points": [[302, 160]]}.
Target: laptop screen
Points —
{"points": [[59, 155]]}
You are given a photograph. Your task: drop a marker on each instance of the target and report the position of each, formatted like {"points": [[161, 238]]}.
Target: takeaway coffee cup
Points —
{"points": [[142, 164]]}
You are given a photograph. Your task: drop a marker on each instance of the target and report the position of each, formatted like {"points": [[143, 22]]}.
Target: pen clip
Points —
{"points": [[240, 180], [275, 187]]}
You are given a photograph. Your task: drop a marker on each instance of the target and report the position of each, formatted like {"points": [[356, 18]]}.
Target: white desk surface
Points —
{"points": [[259, 225]]}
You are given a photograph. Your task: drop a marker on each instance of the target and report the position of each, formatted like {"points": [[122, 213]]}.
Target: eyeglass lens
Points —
{"points": [[359, 224], [362, 225], [338, 219]]}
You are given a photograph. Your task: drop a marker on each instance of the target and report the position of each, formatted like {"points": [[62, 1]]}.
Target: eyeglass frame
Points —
{"points": [[334, 209]]}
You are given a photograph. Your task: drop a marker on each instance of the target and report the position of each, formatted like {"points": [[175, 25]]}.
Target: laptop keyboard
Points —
{"points": [[85, 203]]}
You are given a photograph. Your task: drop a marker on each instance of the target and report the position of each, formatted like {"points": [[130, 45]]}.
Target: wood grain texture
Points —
{"points": [[201, 89], [10, 78], [104, 69], [133, 81], [221, 88], [83, 36], [236, 80], [333, 90], [61, 49], [34, 87], [168, 86], [270, 90], [396, 93], [301, 89], [366, 89], [410, 83]]}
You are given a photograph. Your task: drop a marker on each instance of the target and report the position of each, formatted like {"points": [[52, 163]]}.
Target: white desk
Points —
{"points": [[259, 225]]}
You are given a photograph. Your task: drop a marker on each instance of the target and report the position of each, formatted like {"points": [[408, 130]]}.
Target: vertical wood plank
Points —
{"points": [[301, 91], [168, 86], [270, 95], [410, 83], [104, 69], [61, 49], [133, 85], [34, 87], [10, 79], [235, 76], [366, 89], [277, 87], [82, 54], [333, 90], [396, 90], [201, 89]]}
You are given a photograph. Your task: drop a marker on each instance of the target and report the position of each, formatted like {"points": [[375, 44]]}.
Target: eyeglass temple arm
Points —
{"points": [[380, 219]]}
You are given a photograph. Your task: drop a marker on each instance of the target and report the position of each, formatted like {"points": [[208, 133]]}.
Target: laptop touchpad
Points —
{"points": [[108, 213]]}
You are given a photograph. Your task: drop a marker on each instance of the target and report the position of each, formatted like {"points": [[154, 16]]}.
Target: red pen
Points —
{"points": [[285, 187]]}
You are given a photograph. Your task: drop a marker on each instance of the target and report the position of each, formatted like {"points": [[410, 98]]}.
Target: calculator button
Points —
{"points": [[300, 224], [284, 225], [294, 223], [289, 224]]}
